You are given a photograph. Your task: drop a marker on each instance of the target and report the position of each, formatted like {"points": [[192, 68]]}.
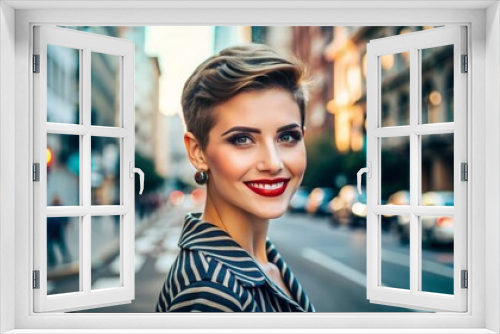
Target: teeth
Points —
{"points": [[267, 186]]}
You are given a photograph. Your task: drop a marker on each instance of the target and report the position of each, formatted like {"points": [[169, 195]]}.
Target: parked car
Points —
{"points": [[176, 198], [441, 228], [198, 196], [317, 202], [436, 230], [299, 200], [348, 207]]}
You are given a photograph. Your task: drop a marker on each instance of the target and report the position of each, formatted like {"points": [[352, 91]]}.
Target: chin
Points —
{"points": [[273, 213]]}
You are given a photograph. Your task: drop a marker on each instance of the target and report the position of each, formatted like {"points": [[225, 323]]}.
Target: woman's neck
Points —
{"points": [[248, 231]]}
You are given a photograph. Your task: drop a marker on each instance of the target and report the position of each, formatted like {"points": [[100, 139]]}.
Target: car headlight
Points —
{"points": [[359, 209]]}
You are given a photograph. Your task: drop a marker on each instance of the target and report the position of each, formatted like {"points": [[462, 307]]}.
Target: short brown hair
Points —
{"points": [[235, 70]]}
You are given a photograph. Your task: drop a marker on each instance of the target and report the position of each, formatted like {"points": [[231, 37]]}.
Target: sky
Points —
{"points": [[180, 50]]}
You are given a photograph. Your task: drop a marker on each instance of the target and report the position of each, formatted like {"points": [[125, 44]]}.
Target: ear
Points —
{"points": [[304, 131], [194, 151]]}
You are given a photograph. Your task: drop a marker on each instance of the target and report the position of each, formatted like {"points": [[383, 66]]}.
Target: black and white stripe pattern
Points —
{"points": [[212, 273]]}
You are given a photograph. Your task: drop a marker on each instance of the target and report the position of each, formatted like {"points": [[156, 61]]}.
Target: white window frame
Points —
{"points": [[414, 43], [483, 21], [124, 51]]}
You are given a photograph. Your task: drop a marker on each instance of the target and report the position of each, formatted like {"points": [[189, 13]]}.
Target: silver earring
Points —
{"points": [[201, 177]]}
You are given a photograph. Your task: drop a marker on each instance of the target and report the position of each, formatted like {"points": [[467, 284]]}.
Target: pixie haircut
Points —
{"points": [[234, 70]]}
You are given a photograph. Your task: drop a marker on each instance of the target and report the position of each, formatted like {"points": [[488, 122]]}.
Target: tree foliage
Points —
{"points": [[325, 164], [152, 180]]}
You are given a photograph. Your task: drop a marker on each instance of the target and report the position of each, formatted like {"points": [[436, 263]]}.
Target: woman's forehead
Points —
{"points": [[272, 106]]}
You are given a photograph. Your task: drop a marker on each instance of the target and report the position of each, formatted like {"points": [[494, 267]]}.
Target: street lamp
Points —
{"points": [[49, 157]]}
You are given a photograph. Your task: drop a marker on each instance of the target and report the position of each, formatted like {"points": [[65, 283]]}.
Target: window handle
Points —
{"points": [[368, 171], [133, 170]]}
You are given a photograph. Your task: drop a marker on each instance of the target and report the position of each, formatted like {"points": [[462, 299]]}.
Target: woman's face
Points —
{"points": [[256, 153]]}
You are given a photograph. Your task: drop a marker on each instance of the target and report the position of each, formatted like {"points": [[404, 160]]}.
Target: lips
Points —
{"points": [[268, 188]]}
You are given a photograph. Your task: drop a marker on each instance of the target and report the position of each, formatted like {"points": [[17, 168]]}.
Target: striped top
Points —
{"points": [[212, 273]]}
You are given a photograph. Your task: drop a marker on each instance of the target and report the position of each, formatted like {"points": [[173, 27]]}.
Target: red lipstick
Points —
{"points": [[268, 188]]}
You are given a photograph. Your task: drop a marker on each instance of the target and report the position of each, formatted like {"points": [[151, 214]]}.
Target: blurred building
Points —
{"points": [[63, 106], [308, 45], [177, 166], [147, 78], [347, 53], [105, 96], [62, 85]]}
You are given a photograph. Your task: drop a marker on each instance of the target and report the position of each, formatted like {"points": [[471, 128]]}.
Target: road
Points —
{"points": [[330, 264]]}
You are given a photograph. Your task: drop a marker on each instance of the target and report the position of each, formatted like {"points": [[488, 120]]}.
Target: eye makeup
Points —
{"points": [[238, 139], [296, 135]]}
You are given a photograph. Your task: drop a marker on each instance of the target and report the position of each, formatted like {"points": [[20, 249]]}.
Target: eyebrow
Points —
{"points": [[255, 130]]}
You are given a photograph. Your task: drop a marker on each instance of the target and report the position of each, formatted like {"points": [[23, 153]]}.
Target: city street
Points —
{"points": [[328, 259], [330, 263]]}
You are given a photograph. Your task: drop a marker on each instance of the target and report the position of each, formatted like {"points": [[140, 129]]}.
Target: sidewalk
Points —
{"points": [[105, 243]]}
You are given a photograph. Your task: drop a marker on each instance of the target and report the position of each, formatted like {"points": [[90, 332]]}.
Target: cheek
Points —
{"points": [[229, 165], [297, 161]]}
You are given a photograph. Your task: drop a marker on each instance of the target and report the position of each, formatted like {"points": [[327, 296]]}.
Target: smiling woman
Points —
{"points": [[244, 110]]}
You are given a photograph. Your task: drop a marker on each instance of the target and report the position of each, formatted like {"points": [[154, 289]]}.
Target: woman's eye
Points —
{"points": [[240, 140], [290, 137]]}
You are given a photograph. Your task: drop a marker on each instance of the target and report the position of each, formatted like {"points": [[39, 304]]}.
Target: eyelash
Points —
{"points": [[295, 135]]}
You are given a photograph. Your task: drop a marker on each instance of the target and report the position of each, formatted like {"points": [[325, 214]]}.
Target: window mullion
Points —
{"points": [[40, 189], [86, 266], [81, 162], [127, 194], [108, 210], [434, 128], [414, 171], [373, 183], [460, 155]]}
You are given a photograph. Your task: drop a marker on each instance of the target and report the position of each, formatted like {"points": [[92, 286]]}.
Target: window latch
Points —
{"points": [[368, 171], [133, 170]]}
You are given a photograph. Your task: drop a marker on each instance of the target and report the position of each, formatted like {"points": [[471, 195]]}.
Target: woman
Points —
{"points": [[244, 111]]}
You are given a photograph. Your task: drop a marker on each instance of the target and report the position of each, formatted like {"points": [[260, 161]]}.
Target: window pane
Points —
{"points": [[437, 169], [395, 266], [63, 254], [63, 84], [437, 254], [437, 84], [395, 79], [105, 245], [63, 170], [105, 90], [105, 167], [395, 176]]}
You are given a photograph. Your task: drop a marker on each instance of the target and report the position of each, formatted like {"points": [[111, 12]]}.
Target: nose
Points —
{"points": [[270, 161]]}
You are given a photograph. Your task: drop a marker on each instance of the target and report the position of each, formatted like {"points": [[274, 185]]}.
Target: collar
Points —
{"points": [[209, 239]]}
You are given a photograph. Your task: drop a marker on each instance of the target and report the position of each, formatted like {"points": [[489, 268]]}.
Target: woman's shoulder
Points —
{"points": [[196, 267], [190, 266]]}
